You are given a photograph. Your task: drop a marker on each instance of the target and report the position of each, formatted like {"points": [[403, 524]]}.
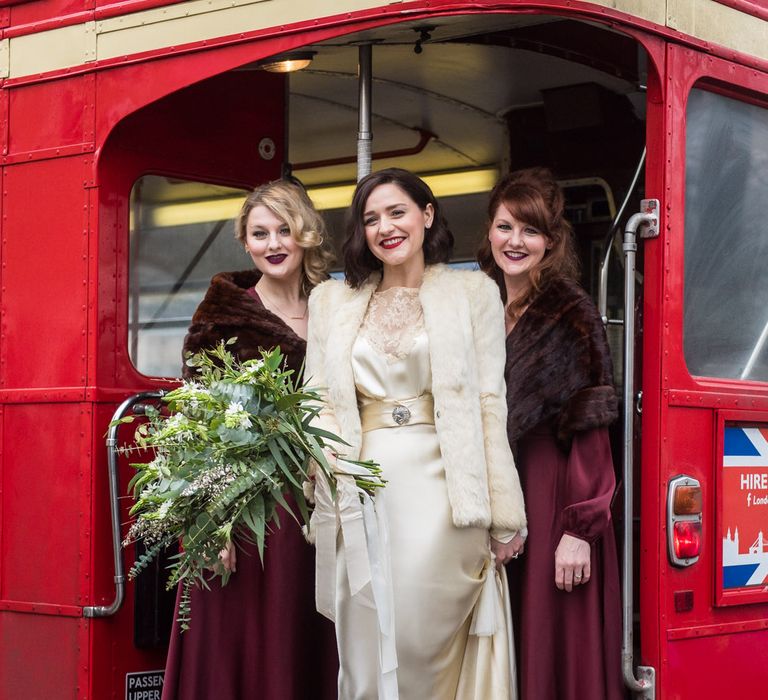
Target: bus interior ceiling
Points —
{"points": [[466, 97]]}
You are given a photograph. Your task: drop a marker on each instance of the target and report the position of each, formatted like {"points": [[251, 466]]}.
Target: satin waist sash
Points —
{"points": [[387, 413]]}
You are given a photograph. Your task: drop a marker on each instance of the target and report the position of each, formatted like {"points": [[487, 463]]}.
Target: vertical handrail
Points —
{"points": [[602, 292], [365, 108], [114, 504], [627, 651]]}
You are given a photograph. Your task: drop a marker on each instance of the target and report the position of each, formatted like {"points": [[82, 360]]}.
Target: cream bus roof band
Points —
{"points": [[199, 20]]}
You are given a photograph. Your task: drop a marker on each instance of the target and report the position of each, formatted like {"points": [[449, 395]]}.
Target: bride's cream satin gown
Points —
{"points": [[438, 569]]}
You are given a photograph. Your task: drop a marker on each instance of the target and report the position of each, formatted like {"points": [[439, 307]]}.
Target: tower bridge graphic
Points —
{"points": [[744, 569], [745, 507]]}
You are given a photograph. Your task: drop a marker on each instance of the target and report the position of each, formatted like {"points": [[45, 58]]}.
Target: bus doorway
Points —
{"points": [[459, 102]]}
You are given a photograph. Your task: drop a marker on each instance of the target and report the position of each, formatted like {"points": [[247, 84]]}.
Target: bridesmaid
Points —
{"points": [[561, 399], [260, 636], [412, 355]]}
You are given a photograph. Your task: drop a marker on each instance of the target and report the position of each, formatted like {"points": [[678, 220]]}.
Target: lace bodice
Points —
{"points": [[393, 321]]}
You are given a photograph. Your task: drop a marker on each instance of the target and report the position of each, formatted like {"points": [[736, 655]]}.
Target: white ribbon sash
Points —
{"points": [[488, 615], [366, 549]]}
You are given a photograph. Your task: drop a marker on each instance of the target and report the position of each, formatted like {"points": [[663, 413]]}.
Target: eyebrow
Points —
{"points": [[389, 208], [260, 227]]}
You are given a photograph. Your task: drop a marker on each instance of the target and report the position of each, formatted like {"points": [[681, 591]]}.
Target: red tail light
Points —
{"points": [[684, 520], [686, 539]]}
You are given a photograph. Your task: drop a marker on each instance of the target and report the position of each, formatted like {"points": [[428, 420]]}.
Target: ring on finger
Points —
{"points": [[578, 577]]}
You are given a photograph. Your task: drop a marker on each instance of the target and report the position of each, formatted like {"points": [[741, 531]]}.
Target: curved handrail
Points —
{"points": [[114, 502], [602, 294]]}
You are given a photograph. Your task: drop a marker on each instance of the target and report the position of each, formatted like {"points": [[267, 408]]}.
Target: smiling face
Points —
{"points": [[394, 226], [272, 248], [517, 247]]}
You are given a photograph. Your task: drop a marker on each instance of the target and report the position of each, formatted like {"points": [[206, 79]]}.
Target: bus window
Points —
{"points": [[725, 328], [181, 235]]}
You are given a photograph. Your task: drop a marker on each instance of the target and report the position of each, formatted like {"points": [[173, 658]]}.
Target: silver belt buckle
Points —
{"points": [[401, 414]]}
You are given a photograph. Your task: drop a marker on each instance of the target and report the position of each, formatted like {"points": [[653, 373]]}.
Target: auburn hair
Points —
{"points": [[533, 197]]}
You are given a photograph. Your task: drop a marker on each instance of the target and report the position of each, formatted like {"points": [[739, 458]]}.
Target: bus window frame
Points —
{"points": [[686, 72], [176, 175]]}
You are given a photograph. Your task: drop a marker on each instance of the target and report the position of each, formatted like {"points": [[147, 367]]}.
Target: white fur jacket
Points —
{"points": [[464, 321]]}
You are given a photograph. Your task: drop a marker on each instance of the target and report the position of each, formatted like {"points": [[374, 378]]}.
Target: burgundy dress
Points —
{"points": [[561, 399], [569, 644], [259, 637]]}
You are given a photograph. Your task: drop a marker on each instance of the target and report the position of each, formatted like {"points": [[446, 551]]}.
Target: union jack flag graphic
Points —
{"points": [[745, 507]]}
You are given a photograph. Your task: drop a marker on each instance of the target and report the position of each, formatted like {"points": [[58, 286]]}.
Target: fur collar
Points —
{"points": [[446, 317], [559, 366], [228, 311]]}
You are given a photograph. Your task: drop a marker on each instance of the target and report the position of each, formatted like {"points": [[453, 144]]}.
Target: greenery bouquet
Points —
{"points": [[232, 443]]}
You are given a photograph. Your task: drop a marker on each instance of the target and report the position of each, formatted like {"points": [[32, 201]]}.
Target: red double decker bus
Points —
{"points": [[130, 130]]}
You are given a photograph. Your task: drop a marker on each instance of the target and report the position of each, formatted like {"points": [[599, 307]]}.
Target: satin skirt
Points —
{"points": [[438, 572]]}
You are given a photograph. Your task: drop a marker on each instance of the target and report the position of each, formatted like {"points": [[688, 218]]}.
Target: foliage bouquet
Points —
{"points": [[232, 444]]}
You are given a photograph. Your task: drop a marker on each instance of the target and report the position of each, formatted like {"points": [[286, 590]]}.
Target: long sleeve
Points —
{"points": [[507, 507], [314, 372], [589, 485]]}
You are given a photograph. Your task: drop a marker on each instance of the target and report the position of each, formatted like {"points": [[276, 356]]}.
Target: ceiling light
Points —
{"points": [[288, 62]]}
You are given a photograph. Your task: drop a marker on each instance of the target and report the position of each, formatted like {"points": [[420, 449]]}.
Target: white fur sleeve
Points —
{"points": [[317, 339], [507, 507]]}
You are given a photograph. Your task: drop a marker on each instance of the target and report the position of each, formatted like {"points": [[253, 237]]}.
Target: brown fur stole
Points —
{"points": [[558, 366], [227, 311]]}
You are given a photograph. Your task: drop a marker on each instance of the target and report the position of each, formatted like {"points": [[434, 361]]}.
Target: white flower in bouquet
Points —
{"points": [[236, 417]]}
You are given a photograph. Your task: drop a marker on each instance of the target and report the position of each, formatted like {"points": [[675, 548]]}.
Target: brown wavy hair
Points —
{"points": [[534, 198], [359, 261], [290, 203]]}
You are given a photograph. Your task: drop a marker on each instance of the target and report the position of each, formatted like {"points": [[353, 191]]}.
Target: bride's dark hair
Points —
{"points": [[359, 261]]}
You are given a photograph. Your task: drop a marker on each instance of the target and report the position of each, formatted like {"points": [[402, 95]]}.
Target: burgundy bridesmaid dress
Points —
{"points": [[569, 644], [259, 637]]}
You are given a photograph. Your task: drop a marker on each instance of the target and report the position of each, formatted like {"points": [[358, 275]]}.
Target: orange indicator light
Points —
{"points": [[687, 500]]}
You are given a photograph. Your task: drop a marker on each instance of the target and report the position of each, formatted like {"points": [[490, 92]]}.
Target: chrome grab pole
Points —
{"points": [[645, 685], [364, 107], [114, 504], [602, 292]]}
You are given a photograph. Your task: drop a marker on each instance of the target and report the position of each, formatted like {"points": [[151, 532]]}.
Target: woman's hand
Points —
{"points": [[572, 562], [506, 552]]}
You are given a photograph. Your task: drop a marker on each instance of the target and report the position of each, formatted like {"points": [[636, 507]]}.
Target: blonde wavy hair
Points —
{"points": [[290, 203]]}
